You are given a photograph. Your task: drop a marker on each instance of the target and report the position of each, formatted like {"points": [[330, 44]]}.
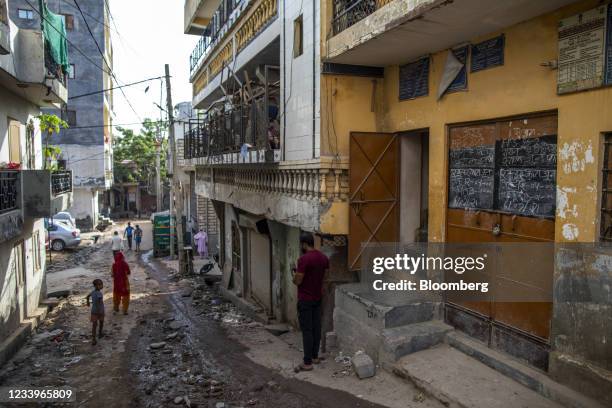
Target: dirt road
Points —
{"points": [[179, 346]]}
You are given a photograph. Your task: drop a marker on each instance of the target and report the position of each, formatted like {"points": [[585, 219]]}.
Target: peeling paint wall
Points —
{"points": [[581, 328], [518, 87], [582, 320]]}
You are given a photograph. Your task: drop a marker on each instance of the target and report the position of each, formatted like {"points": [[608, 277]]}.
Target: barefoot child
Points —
{"points": [[97, 309]]}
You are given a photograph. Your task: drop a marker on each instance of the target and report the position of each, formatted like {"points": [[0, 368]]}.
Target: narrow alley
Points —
{"points": [[180, 345], [333, 203]]}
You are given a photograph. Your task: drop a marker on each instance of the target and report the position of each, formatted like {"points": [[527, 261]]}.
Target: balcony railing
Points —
{"points": [[252, 124], [349, 12], [212, 32], [9, 190], [61, 182]]}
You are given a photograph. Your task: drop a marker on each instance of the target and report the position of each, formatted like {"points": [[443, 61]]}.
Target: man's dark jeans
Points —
{"points": [[309, 313], [129, 239]]}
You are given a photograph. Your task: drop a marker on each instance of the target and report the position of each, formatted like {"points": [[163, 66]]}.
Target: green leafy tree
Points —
{"points": [[50, 124], [134, 153]]}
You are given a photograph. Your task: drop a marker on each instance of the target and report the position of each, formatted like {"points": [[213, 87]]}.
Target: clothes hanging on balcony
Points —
{"points": [[54, 32]]}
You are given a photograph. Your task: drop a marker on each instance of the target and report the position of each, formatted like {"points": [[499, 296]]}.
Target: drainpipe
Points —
{"points": [[284, 137], [314, 77]]}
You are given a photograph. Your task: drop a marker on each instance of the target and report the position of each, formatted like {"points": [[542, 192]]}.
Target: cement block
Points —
{"points": [[331, 340], [401, 341], [363, 365], [354, 335]]}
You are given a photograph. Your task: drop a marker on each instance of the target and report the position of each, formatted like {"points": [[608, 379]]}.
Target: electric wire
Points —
{"points": [[105, 61]]}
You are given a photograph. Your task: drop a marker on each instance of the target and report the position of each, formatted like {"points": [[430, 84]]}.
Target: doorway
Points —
{"points": [[414, 186], [389, 190], [502, 188]]}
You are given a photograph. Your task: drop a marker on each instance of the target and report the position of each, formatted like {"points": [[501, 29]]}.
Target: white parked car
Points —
{"points": [[66, 217], [62, 235]]}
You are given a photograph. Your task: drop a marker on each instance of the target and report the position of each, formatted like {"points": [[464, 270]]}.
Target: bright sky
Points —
{"points": [[150, 35]]}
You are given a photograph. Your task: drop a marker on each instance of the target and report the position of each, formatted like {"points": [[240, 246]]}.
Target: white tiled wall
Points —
{"points": [[298, 81]]}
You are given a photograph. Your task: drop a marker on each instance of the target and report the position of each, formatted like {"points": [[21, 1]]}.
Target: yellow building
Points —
{"points": [[486, 121], [414, 121]]}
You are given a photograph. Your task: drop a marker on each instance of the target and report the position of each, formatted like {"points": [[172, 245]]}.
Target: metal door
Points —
{"points": [[490, 218], [373, 183], [260, 271]]}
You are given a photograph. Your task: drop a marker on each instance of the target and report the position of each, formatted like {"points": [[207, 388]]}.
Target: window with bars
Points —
{"points": [[606, 191]]}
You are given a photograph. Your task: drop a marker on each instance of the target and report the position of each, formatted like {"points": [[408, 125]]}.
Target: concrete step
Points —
{"points": [[459, 381], [382, 311], [354, 335], [37, 316], [519, 372], [400, 341]]}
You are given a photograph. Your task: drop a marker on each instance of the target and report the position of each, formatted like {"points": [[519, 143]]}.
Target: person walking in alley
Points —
{"points": [[97, 310], [121, 283], [311, 269], [138, 237], [201, 239], [117, 243], [128, 233]]}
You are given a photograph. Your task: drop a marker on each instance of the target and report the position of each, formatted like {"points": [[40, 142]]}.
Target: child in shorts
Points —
{"points": [[97, 310]]}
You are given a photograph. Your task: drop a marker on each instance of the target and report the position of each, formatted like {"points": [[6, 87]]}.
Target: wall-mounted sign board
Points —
{"points": [[608, 75], [582, 42]]}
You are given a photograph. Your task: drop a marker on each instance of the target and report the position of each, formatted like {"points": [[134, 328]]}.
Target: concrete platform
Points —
{"points": [[401, 341], [380, 312], [531, 378], [11, 345], [459, 381]]}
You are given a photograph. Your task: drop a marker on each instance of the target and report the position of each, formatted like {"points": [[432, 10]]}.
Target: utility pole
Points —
{"points": [[158, 188], [176, 184]]}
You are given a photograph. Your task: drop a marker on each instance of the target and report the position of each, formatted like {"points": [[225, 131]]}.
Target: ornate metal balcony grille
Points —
{"points": [[61, 182], [9, 191], [349, 12]]}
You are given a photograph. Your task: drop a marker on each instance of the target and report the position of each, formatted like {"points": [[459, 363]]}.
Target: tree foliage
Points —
{"points": [[134, 154], [50, 124]]}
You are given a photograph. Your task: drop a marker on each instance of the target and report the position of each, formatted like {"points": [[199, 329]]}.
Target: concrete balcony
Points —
{"points": [[198, 14], [26, 71], [248, 38], [5, 36], [389, 32], [11, 215], [310, 194], [45, 192]]}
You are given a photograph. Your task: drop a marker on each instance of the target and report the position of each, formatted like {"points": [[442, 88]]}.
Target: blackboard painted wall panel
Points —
{"points": [[505, 166]]}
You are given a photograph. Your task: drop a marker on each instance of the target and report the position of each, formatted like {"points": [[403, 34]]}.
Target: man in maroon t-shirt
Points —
{"points": [[311, 269]]}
